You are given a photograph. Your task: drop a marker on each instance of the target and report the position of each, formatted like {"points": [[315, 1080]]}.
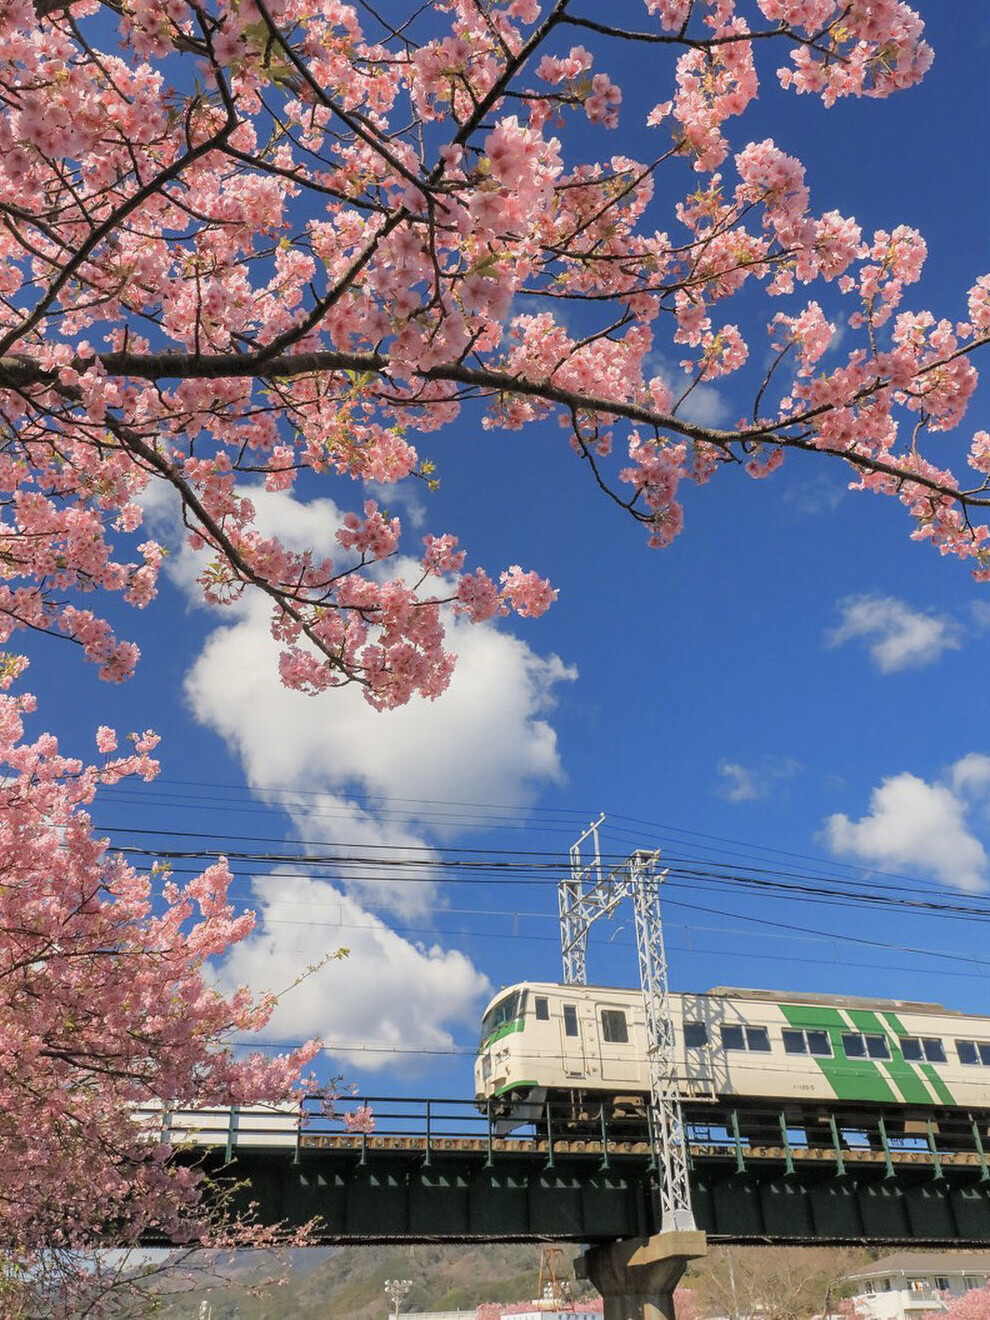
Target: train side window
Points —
{"points": [[732, 1038], [758, 1040], [877, 1047], [614, 1029], [819, 1044], [984, 1049], [967, 1051], [934, 1049], [695, 1035], [541, 1007], [853, 1044], [570, 1020], [911, 1048], [807, 1042]]}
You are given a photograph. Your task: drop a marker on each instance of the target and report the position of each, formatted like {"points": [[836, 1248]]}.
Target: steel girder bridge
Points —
{"points": [[435, 1170]]}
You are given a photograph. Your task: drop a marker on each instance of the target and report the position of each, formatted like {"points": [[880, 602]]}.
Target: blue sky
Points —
{"points": [[794, 688]]}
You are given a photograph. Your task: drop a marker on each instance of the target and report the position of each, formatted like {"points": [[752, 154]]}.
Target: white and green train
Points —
{"points": [[570, 1051]]}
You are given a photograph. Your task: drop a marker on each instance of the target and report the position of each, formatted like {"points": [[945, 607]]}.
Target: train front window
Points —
{"points": [[506, 1010]]}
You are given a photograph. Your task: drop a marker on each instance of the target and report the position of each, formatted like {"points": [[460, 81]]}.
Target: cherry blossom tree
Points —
{"points": [[106, 1005], [248, 240], [972, 1305], [275, 243]]}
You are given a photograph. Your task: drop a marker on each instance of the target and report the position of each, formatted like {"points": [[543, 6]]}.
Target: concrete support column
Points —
{"points": [[637, 1276]]}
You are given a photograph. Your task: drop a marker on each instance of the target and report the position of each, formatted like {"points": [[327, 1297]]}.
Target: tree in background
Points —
{"points": [[775, 1283], [266, 244]]}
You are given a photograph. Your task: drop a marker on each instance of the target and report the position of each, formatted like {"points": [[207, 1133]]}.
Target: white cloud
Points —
{"points": [[971, 774], [897, 636], [741, 783], [485, 739], [821, 493], [349, 775], [387, 1000], [704, 406], [921, 827]]}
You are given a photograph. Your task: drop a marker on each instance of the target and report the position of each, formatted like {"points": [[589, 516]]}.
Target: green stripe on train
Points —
{"points": [[850, 1079], [936, 1082], [903, 1075], [512, 1086], [506, 1029]]}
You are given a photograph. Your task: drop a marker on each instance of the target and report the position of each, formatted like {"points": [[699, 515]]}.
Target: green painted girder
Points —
{"points": [[397, 1196], [364, 1194]]}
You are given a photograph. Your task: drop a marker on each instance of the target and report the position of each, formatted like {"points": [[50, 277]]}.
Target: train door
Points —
{"points": [[615, 1044], [698, 1035], [572, 1041]]}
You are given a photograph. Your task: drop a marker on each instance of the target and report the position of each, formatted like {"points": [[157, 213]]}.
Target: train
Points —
{"points": [[573, 1056]]}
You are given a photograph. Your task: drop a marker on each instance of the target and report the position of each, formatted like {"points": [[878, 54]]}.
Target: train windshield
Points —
{"points": [[506, 1010]]}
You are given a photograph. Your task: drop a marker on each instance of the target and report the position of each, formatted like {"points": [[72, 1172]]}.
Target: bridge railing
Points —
{"points": [[431, 1125]]}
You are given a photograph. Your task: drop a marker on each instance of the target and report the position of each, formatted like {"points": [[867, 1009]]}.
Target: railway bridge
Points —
{"points": [[432, 1169]]}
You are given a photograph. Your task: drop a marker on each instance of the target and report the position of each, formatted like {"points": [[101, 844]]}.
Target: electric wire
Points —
{"points": [[727, 870]]}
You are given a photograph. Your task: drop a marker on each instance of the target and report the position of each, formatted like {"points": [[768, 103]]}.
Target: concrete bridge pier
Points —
{"points": [[637, 1276]]}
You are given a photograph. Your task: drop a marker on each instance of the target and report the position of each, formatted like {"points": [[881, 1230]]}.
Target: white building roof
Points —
{"points": [[925, 1262]]}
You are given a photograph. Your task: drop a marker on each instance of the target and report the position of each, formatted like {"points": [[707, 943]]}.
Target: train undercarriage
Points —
{"points": [[749, 1124]]}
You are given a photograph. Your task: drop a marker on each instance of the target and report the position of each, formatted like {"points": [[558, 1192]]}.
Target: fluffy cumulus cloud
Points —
{"points": [[754, 783], [351, 776], [896, 636], [388, 1003], [485, 739], [923, 828]]}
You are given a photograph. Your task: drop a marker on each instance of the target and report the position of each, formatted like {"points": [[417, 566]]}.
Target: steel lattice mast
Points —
{"points": [[588, 894]]}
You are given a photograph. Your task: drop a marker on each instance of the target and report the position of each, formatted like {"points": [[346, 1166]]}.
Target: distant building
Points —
{"points": [[550, 1315], [912, 1284], [541, 1314], [442, 1315]]}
